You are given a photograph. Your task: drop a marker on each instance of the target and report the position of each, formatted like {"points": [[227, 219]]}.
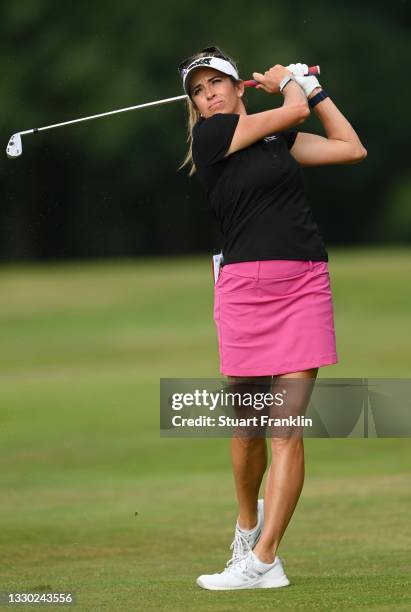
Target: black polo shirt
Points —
{"points": [[257, 194]]}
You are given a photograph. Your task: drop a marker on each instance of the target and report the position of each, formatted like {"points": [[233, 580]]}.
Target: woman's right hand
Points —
{"points": [[271, 79]]}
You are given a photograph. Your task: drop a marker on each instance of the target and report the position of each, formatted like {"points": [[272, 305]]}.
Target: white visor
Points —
{"points": [[208, 62]]}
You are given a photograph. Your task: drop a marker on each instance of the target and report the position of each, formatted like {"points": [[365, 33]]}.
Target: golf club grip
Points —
{"points": [[311, 70]]}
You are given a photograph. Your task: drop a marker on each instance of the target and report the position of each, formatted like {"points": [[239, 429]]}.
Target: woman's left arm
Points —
{"points": [[341, 146]]}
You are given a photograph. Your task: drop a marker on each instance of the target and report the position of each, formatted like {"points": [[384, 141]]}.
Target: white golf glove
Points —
{"points": [[307, 83], [298, 69]]}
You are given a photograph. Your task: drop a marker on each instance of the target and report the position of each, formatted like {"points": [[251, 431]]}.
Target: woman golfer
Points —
{"points": [[273, 303]]}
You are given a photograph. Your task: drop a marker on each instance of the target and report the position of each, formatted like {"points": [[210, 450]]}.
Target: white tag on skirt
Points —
{"points": [[217, 261]]}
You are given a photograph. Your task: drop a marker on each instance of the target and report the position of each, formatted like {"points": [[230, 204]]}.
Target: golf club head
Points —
{"points": [[14, 148]]}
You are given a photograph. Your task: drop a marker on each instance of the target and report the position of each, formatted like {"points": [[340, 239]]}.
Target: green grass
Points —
{"points": [[82, 349]]}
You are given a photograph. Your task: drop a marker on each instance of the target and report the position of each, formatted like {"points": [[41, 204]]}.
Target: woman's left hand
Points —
{"points": [[298, 69], [307, 83]]}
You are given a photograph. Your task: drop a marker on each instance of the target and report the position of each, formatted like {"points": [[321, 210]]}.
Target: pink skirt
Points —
{"points": [[274, 317]]}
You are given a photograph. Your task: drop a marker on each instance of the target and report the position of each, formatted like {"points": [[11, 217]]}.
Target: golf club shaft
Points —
{"points": [[120, 110]]}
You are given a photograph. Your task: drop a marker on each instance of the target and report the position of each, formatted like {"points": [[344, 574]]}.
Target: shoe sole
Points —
{"points": [[273, 584], [262, 584]]}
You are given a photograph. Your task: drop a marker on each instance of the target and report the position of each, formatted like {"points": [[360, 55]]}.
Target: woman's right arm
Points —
{"points": [[295, 110]]}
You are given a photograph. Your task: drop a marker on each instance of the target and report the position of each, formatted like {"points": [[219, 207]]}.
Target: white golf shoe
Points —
{"points": [[244, 541], [244, 570], [248, 573]]}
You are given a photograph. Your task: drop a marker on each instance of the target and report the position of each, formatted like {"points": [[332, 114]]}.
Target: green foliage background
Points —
{"points": [[111, 187]]}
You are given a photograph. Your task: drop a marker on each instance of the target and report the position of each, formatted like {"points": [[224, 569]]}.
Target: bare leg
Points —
{"points": [[249, 462], [284, 483]]}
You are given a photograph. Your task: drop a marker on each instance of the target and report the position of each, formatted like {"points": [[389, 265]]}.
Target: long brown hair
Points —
{"points": [[193, 114]]}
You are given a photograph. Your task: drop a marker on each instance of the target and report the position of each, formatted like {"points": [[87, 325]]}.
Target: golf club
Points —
{"points": [[15, 146]]}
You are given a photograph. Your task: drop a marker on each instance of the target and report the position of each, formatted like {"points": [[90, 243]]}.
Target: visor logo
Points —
{"points": [[200, 62]]}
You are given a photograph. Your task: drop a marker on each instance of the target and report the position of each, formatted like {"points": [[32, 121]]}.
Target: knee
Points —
{"points": [[249, 444], [290, 443]]}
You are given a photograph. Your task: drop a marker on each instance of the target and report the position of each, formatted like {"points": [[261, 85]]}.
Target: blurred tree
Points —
{"points": [[394, 222]]}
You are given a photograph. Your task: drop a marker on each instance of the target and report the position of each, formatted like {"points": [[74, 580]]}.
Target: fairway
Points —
{"points": [[93, 501]]}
